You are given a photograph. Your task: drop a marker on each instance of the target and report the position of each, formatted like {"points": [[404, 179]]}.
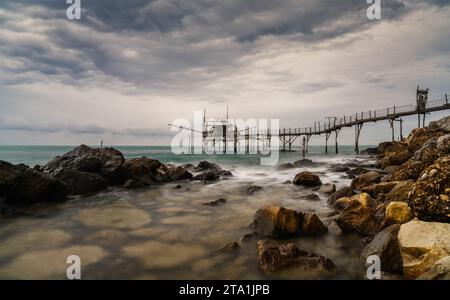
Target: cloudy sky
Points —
{"points": [[128, 68]]}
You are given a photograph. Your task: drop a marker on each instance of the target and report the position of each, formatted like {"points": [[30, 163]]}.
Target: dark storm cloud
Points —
{"points": [[166, 35]]}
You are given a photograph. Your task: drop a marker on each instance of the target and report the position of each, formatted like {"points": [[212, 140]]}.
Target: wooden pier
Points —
{"points": [[333, 125]]}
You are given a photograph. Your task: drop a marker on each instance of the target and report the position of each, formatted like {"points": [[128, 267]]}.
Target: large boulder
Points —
{"points": [[375, 190], [9, 176], [345, 191], [439, 271], [105, 161], [358, 217], [422, 244], [307, 179], [207, 176], [82, 183], [399, 192], [276, 221], [397, 213], [429, 198], [273, 259], [178, 173], [145, 170], [312, 225], [366, 179], [207, 166], [34, 187], [385, 246]]}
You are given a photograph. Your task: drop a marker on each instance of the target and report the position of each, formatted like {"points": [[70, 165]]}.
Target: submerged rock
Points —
{"points": [[285, 166], [327, 189], [304, 163], [273, 258], [385, 246], [207, 166], [207, 176], [422, 244], [307, 179], [311, 197], [229, 248], [215, 202], [253, 189]]}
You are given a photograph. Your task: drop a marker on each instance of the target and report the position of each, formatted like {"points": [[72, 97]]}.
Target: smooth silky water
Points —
{"points": [[165, 232]]}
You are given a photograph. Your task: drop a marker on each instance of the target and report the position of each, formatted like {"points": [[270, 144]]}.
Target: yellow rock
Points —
{"points": [[397, 213]]}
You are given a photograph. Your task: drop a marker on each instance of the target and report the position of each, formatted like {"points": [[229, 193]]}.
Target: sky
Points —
{"points": [[128, 68]]}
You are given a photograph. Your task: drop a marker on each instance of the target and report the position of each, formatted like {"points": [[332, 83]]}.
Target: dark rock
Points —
{"points": [[207, 166], [304, 163], [178, 173], [357, 171], [9, 176], [369, 151], [273, 258], [275, 221], [225, 173], [307, 179], [312, 226], [342, 192], [189, 167], [358, 218], [366, 179], [311, 197], [287, 182], [144, 170], [385, 245], [215, 202], [253, 189], [207, 176], [133, 184], [248, 237], [339, 169], [327, 189], [82, 183], [285, 166], [375, 190], [34, 187]]}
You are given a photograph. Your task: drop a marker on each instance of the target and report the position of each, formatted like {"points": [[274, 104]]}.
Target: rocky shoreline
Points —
{"points": [[398, 207]]}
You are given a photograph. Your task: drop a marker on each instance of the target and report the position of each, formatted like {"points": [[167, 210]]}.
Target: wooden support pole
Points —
{"points": [[235, 139], [247, 140], [290, 140], [401, 130], [357, 134], [304, 147], [336, 133], [224, 134]]}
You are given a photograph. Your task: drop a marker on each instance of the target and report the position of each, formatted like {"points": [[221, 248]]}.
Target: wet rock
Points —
{"points": [[439, 271], [342, 192], [369, 151], [34, 187], [285, 166], [304, 163], [366, 179], [275, 221], [225, 173], [385, 245], [327, 189], [215, 202], [144, 170], [429, 198], [362, 198], [178, 173], [248, 237], [399, 192], [207, 166], [9, 176], [375, 190], [307, 179], [230, 248], [106, 161], [312, 225], [422, 244], [339, 169], [273, 258], [358, 217], [253, 189], [132, 184], [189, 167], [311, 197], [357, 171], [397, 213], [287, 182], [82, 183], [207, 176]]}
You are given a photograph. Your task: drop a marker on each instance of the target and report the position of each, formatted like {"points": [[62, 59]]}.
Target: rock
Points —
{"points": [[340, 169], [439, 271], [9, 176], [133, 184], [34, 187], [207, 166], [105, 161], [410, 170], [304, 163], [285, 166], [342, 192], [440, 125], [231, 247], [399, 192], [397, 213], [248, 237], [82, 183], [429, 197], [422, 244], [287, 182], [225, 173], [312, 226], [275, 221], [215, 202], [375, 190], [443, 144], [178, 173], [327, 189], [357, 171], [311, 197], [189, 167], [274, 258], [253, 189], [385, 245], [391, 169], [362, 198], [358, 218], [307, 179], [369, 151], [366, 179], [144, 170], [207, 176]]}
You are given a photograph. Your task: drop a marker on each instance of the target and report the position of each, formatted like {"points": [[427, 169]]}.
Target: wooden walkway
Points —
{"points": [[335, 124]]}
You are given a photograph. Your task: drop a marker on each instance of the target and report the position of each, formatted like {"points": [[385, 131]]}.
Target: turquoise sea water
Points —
{"points": [[39, 155]]}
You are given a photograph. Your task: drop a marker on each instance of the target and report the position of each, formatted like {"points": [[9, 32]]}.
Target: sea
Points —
{"points": [[166, 232]]}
